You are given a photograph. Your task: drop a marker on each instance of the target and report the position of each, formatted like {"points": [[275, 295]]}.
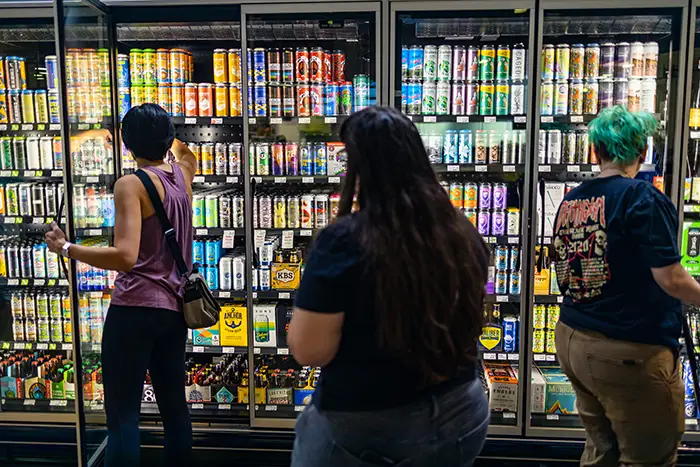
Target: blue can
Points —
{"points": [[251, 103], [306, 159], [260, 74], [213, 277], [510, 334], [260, 100], [254, 279], [123, 78], [513, 257], [449, 147], [501, 286], [212, 252], [691, 406], [54, 112], [320, 159], [415, 62], [404, 96], [124, 101], [414, 98], [51, 72], [198, 251], [501, 258], [108, 211], [404, 62], [250, 68], [465, 147], [331, 99], [514, 283]]}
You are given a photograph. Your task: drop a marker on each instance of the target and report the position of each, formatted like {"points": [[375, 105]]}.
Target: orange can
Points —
{"points": [[191, 101], [190, 65], [164, 98], [176, 65], [176, 99], [234, 93], [221, 100], [163, 65], [220, 66], [234, 65], [206, 100]]}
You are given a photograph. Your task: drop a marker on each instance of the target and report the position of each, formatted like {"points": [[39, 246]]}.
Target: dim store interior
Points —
{"points": [[245, 390]]}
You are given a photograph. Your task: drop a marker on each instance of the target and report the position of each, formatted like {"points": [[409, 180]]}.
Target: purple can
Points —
{"points": [[605, 93], [498, 222], [472, 63], [485, 192], [500, 196], [471, 98], [483, 223], [607, 60], [623, 60], [621, 89]]}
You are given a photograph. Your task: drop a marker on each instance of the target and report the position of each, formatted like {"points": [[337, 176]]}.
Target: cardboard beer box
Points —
{"points": [[542, 276], [264, 326], [206, 336], [233, 326], [260, 395], [285, 276], [284, 318], [35, 388], [11, 388], [559, 397], [502, 383], [538, 389], [337, 159]]}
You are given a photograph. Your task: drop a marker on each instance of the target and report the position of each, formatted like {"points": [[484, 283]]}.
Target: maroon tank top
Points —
{"points": [[154, 280]]}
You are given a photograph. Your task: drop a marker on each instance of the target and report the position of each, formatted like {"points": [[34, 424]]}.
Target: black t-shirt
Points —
{"points": [[608, 235], [361, 376]]}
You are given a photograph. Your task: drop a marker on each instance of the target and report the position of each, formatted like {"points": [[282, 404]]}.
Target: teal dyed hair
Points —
{"points": [[620, 135]]}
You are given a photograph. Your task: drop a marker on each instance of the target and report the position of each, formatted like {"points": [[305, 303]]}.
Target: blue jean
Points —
{"points": [[136, 339], [447, 431]]}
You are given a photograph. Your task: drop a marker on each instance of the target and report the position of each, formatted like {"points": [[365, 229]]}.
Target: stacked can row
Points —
{"points": [[217, 208], [30, 199], [88, 83], [40, 317], [572, 147], [506, 271], [227, 66], [300, 65], [92, 156], [28, 106], [13, 73], [93, 308], [94, 207], [31, 153], [485, 206], [90, 278], [295, 211], [478, 147], [302, 158], [150, 67], [217, 158], [231, 267], [27, 258], [545, 321]]}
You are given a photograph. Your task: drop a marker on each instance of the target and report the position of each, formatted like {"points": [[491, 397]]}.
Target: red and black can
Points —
{"points": [[302, 62], [338, 66], [274, 95], [327, 66], [316, 65]]}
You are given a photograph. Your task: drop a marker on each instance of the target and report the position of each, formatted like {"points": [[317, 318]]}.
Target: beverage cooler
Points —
{"points": [[462, 72], [308, 68], [632, 56]]}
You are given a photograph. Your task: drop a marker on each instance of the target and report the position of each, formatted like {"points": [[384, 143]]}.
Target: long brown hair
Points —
{"points": [[428, 263]]}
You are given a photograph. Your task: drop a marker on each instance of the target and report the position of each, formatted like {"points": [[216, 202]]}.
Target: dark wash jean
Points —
{"points": [[136, 339], [446, 431]]}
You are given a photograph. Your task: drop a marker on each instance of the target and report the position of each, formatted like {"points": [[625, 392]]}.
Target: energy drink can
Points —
{"points": [[502, 97], [501, 258], [547, 98], [464, 146], [415, 62], [561, 98], [361, 94], [51, 72], [338, 66], [274, 91], [486, 94], [320, 159], [442, 98], [592, 61], [346, 98], [510, 331], [548, 54], [503, 62], [590, 97], [487, 57], [291, 152]]}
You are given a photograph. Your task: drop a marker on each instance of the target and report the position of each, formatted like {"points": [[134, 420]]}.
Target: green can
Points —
{"points": [[198, 211], [211, 211], [42, 306], [486, 92], [360, 84], [42, 330], [150, 73], [487, 57], [503, 62], [6, 153], [251, 156], [103, 67], [502, 97]]}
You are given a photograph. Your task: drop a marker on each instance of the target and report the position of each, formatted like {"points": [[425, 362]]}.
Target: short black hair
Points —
{"points": [[148, 132]]}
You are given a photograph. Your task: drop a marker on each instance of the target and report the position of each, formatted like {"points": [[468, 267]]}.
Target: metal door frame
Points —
{"points": [[484, 5], [673, 178], [353, 6]]}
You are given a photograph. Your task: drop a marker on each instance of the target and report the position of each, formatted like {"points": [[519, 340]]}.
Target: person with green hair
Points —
{"points": [[617, 263]]}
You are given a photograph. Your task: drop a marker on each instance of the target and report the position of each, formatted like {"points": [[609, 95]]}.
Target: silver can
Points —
{"points": [[517, 98], [321, 209], [25, 199], [238, 273], [38, 201], [220, 159], [433, 146], [569, 153], [226, 273], [542, 147], [517, 69], [33, 153], [237, 208], [265, 212], [294, 212], [234, 158], [225, 212], [554, 147]]}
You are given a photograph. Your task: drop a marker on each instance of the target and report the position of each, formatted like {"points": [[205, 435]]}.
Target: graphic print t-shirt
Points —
{"points": [[608, 234]]}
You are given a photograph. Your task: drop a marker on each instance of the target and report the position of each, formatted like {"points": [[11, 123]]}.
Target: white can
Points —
{"points": [[634, 95], [542, 147], [307, 212], [33, 158], [517, 71], [517, 98], [238, 273], [430, 60], [554, 147], [637, 55], [265, 278], [651, 59], [648, 95], [444, 63], [225, 273], [46, 150], [266, 252], [513, 221]]}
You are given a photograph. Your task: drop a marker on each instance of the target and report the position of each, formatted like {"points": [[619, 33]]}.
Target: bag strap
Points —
{"points": [[170, 237]]}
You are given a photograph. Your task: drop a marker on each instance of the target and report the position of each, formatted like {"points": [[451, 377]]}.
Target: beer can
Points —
{"points": [[33, 153], [41, 110], [220, 57], [459, 63], [221, 100], [548, 59], [303, 100], [260, 100], [690, 398], [456, 192], [430, 62], [302, 65], [552, 317], [237, 212], [220, 159], [321, 210], [164, 96], [500, 258], [279, 212], [576, 97], [621, 91], [498, 222], [582, 148], [569, 148], [316, 99], [307, 211], [480, 147], [177, 99], [651, 59], [444, 63], [561, 67], [205, 99], [415, 62], [554, 147], [637, 56], [517, 98], [508, 147], [226, 273], [471, 195], [14, 106], [501, 283], [291, 163], [450, 151], [211, 211], [6, 158], [346, 98], [259, 69], [503, 62], [485, 195], [18, 332], [472, 64], [262, 158], [150, 94], [361, 85], [577, 61], [486, 94], [590, 97], [414, 98], [235, 103], [483, 222], [320, 159], [238, 273], [464, 146], [442, 98], [277, 158], [207, 157], [20, 152], [592, 61], [501, 98], [547, 98], [494, 147], [510, 330], [551, 346], [513, 221], [433, 146], [150, 68], [648, 96], [331, 99], [234, 66], [623, 60], [472, 216], [57, 153], [429, 93], [606, 88], [316, 74], [162, 67], [561, 98], [136, 67], [487, 57], [293, 212], [500, 196], [539, 320], [458, 104], [634, 95], [471, 98], [607, 60], [3, 106]]}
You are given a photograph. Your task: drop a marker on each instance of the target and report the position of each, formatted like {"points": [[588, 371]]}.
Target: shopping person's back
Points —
{"points": [[390, 305]]}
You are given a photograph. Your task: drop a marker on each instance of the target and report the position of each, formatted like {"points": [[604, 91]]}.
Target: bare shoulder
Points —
{"points": [[128, 185]]}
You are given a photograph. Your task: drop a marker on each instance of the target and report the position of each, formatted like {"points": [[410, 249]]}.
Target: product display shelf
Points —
{"points": [[64, 406]]}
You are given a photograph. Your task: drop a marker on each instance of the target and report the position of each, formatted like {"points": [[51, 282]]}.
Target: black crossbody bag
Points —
{"points": [[200, 308]]}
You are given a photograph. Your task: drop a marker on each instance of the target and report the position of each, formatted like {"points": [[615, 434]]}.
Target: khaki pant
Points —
{"points": [[629, 396]]}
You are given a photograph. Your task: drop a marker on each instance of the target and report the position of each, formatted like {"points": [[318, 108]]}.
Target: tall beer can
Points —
{"points": [[517, 98], [554, 147], [459, 63]]}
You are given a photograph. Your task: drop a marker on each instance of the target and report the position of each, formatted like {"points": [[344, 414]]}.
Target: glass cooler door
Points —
{"points": [[634, 57], [308, 68], [463, 76]]}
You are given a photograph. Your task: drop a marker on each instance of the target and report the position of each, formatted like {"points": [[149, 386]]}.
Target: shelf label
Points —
{"points": [[331, 120], [63, 282], [198, 349], [19, 346], [693, 134], [259, 238], [93, 232], [547, 240], [520, 119], [228, 240], [252, 121], [198, 406], [549, 119], [502, 298], [573, 168], [270, 408], [480, 168], [38, 220], [577, 119], [5, 173], [224, 294], [257, 351], [228, 349], [307, 179], [691, 421], [55, 127], [299, 408], [508, 414], [552, 416], [10, 220], [513, 356], [12, 281], [224, 406], [39, 282], [200, 232], [217, 121], [287, 239], [550, 358], [280, 179], [66, 346], [57, 173], [83, 126], [304, 120], [30, 402], [282, 351], [305, 233], [231, 179], [27, 127], [491, 239], [489, 356], [42, 346], [190, 120], [502, 356], [430, 119], [275, 121], [539, 357], [489, 119], [58, 403], [595, 168], [257, 179], [92, 179], [30, 173], [560, 299], [198, 179], [513, 240], [3, 127], [462, 119], [545, 168], [283, 295], [509, 168], [333, 179], [453, 168]]}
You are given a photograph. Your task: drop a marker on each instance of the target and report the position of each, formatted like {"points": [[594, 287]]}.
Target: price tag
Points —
{"points": [[252, 121], [198, 349], [190, 120], [462, 119], [30, 402], [489, 119], [513, 240], [257, 179], [83, 126], [305, 233], [280, 179], [691, 421], [333, 179], [287, 239], [430, 119], [693, 134], [66, 346], [231, 179], [27, 127], [228, 349], [545, 168], [480, 168], [197, 406], [39, 282], [228, 240], [19, 345], [224, 406], [198, 179], [307, 179], [282, 351], [224, 294], [502, 298], [270, 408], [552, 416], [560, 299], [55, 127], [58, 403], [12, 281], [275, 121], [508, 414], [255, 295], [93, 232], [513, 356], [38, 220], [509, 168], [259, 238], [200, 232], [92, 179], [30, 173], [257, 351], [331, 120], [299, 408], [304, 120], [410, 117], [547, 119], [10, 220], [489, 356], [577, 119], [573, 168], [539, 357], [283, 295], [63, 282], [502, 356], [595, 168], [56, 173], [520, 119], [217, 121], [453, 168], [5, 173], [42, 346], [547, 240], [550, 358], [4, 128]]}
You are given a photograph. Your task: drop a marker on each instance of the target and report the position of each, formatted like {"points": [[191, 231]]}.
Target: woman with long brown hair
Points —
{"points": [[390, 306]]}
